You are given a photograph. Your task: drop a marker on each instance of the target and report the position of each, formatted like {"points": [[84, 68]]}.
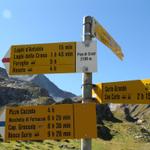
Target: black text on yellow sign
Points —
{"points": [[103, 36], [66, 57], [124, 92], [43, 58], [65, 121]]}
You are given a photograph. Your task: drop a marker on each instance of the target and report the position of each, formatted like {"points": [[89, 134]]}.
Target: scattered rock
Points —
{"points": [[63, 146], [67, 141], [72, 147], [27, 147], [139, 121], [18, 145]]}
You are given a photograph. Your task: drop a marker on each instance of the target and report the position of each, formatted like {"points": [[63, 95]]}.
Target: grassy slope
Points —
{"points": [[126, 136], [124, 139], [120, 142]]}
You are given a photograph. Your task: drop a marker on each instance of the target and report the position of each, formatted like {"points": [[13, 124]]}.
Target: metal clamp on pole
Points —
{"points": [[87, 77], [87, 29], [87, 85], [94, 86]]}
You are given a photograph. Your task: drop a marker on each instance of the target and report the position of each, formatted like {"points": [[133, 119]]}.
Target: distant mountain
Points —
{"points": [[3, 73], [17, 92], [53, 90], [43, 82]]}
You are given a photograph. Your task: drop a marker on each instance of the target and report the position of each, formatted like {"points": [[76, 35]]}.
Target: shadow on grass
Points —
{"points": [[103, 112], [104, 133], [128, 117]]}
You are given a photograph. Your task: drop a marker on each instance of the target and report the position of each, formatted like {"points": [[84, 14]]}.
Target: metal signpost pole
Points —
{"points": [[87, 77]]}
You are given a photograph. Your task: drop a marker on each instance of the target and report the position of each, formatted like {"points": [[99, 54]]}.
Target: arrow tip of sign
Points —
{"points": [[122, 57], [6, 60]]}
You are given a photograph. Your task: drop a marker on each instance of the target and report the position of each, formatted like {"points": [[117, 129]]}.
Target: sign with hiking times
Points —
{"points": [[62, 121], [66, 57], [124, 92]]}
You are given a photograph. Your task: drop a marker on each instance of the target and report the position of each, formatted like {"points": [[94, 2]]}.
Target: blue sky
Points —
{"points": [[46, 21]]}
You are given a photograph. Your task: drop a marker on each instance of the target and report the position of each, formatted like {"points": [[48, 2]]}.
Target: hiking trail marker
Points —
{"points": [[63, 121], [102, 35], [124, 92], [67, 57], [2, 121], [92, 29]]}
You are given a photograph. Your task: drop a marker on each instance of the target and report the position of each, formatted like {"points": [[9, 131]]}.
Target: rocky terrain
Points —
{"points": [[17, 92], [14, 91], [43, 82], [53, 90], [122, 125]]}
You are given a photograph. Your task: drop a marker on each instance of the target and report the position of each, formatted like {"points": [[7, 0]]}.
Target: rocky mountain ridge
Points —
{"points": [[53, 90], [16, 92], [43, 82]]}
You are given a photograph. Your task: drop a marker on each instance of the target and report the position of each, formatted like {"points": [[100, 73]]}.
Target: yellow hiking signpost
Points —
{"points": [[66, 57], [124, 92], [67, 121], [63, 121], [43, 58], [102, 35]]}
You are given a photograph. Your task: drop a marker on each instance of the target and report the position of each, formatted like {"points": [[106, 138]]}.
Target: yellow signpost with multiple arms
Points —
{"points": [[69, 120], [124, 92]]}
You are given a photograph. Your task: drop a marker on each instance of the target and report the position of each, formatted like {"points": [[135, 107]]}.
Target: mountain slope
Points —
{"points": [[43, 82], [52, 89], [13, 91], [137, 111], [3, 73]]}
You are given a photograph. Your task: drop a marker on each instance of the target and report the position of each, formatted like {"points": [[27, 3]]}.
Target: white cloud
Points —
{"points": [[6, 14]]}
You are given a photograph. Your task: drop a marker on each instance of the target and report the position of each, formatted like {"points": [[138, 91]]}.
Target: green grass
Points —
{"points": [[45, 145], [124, 138], [118, 143]]}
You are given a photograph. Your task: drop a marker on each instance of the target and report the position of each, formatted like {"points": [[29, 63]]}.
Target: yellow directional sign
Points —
{"points": [[43, 58], [64, 121], [102, 35], [125, 92], [66, 57]]}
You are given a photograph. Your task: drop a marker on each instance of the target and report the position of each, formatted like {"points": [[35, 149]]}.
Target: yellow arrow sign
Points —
{"points": [[66, 57], [103, 36], [125, 92], [43, 58], [64, 121]]}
